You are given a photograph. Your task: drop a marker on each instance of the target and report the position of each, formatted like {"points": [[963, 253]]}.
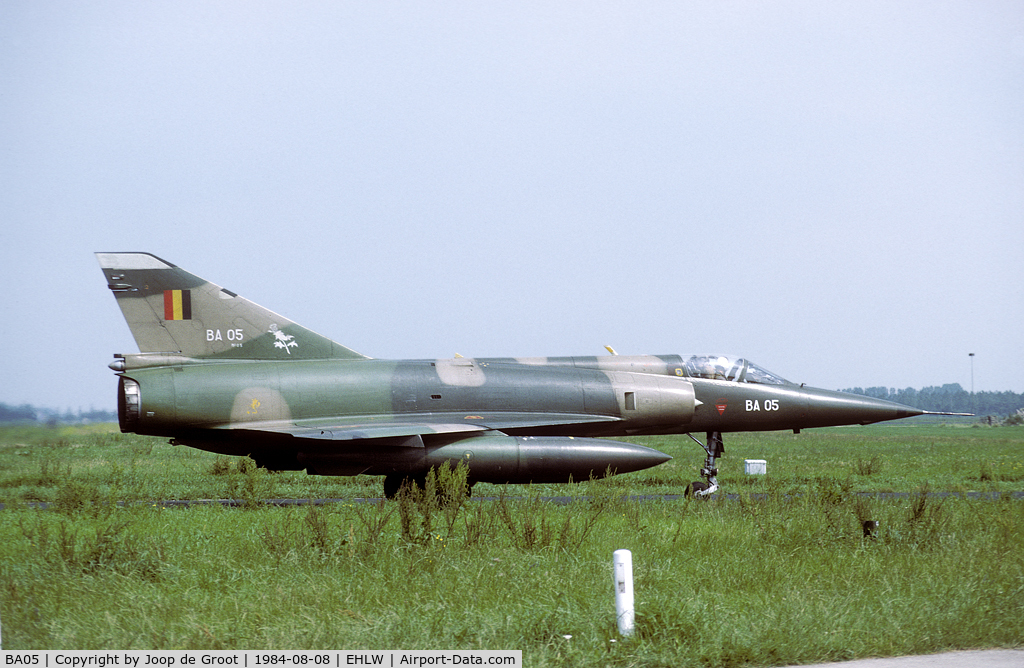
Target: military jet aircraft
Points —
{"points": [[220, 373]]}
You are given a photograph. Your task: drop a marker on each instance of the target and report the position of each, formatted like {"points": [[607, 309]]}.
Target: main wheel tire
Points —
{"points": [[695, 486], [393, 484]]}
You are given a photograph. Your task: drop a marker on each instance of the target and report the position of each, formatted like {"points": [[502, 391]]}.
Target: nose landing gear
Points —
{"points": [[715, 448]]}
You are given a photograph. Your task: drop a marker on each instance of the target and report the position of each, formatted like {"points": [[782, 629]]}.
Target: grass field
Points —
{"points": [[749, 582]]}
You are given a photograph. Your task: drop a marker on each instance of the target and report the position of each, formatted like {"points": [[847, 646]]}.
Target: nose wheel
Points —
{"points": [[714, 448]]}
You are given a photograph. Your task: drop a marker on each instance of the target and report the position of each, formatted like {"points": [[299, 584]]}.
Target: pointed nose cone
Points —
{"points": [[826, 408]]}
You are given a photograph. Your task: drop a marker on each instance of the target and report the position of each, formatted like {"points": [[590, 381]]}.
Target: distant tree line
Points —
{"points": [[27, 413], [949, 398]]}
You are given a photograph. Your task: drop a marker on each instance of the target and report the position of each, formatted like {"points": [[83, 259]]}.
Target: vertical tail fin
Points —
{"points": [[171, 311]]}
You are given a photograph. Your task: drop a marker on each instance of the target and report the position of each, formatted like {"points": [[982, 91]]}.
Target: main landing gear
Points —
{"points": [[714, 449]]}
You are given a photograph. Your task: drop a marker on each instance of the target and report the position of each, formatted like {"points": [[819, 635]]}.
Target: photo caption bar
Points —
{"points": [[389, 658]]}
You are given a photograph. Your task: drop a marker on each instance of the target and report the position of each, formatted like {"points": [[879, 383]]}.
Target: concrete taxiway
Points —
{"points": [[988, 658]]}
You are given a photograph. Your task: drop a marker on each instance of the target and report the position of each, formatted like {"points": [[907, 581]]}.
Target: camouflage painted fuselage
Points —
{"points": [[221, 373], [315, 413]]}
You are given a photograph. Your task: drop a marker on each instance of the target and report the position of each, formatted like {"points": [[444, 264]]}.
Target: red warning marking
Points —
{"points": [[721, 405]]}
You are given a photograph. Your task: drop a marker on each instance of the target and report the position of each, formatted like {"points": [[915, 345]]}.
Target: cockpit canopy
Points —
{"points": [[736, 369]]}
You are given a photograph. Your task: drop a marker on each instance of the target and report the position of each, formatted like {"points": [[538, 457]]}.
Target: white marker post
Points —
{"points": [[622, 567]]}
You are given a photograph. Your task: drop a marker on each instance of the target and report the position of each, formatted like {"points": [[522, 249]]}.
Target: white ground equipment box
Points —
{"points": [[756, 466]]}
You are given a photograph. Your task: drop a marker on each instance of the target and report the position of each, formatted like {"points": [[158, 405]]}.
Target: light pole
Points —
{"points": [[973, 407]]}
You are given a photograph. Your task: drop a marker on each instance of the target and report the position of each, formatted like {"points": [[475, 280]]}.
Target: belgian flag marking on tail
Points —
{"points": [[177, 304]]}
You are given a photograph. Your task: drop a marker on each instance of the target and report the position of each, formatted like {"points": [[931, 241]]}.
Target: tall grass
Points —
{"points": [[36, 462], [771, 579], [787, 580]]}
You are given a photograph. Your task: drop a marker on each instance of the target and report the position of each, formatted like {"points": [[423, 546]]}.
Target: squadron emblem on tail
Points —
{"points": [[282, 340]]}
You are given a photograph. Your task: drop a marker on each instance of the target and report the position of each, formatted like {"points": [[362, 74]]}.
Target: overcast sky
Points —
{"points": [[832, 190]]}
